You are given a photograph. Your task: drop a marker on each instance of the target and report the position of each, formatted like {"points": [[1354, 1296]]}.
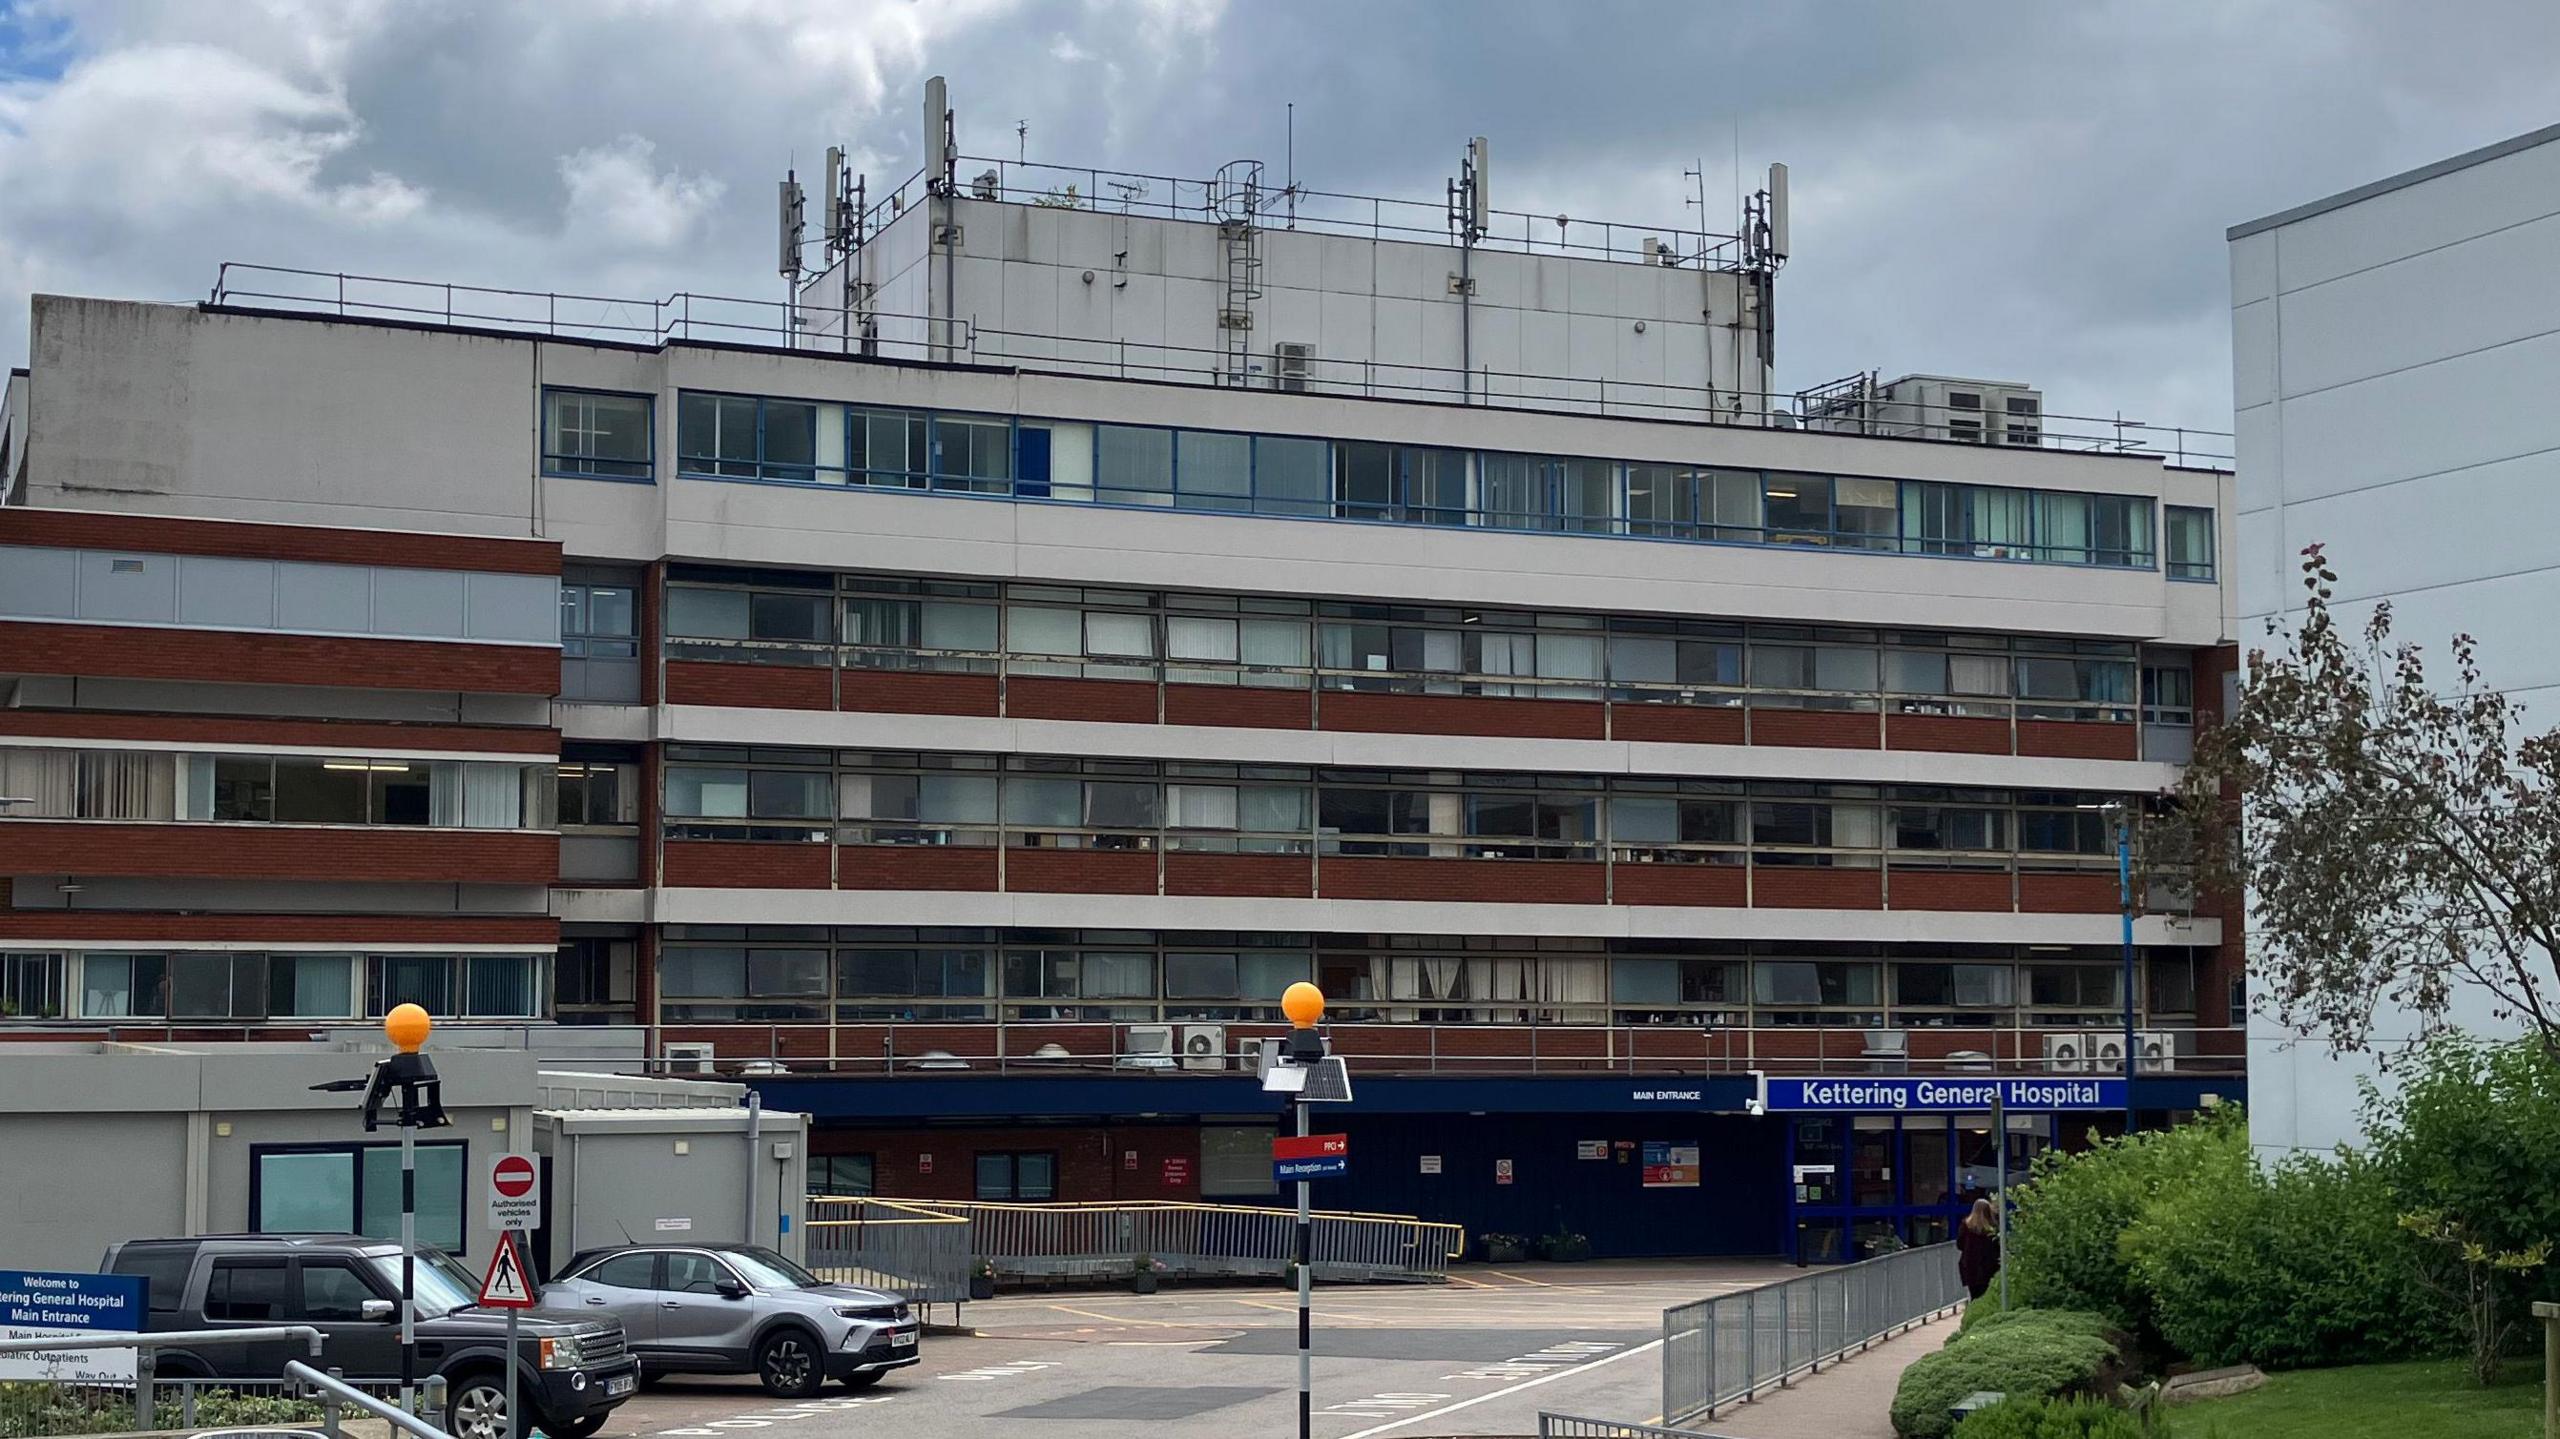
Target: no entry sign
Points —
{"points": [[515, 1193]]}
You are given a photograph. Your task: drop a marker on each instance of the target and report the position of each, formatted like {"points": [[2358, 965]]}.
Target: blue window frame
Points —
{"points": [[746, 437], [2190, 542], [599, 435]]}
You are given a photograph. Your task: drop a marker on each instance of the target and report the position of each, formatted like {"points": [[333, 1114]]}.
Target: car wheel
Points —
{"points": [[863, 1380], [574, 1428], [477, 1407], [787, 1363]]}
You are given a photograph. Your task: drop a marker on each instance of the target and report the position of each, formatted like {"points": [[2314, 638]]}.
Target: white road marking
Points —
{"points": [[1000, 1371], [1548, 1378], [1379, 1406]]}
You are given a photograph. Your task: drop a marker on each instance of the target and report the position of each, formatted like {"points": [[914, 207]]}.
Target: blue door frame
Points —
{"points": [[1824, 1216]]}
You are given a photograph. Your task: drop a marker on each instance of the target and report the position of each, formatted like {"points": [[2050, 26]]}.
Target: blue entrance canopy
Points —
{"points": [[1919, 1094]]}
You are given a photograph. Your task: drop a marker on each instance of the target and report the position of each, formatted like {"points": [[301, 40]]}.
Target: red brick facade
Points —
{"points": [[1239, 706], [1677, 724], [1368, 713], [740, 864], [2075, 739], [1269, 876], [918, 692], [1479, 881], [1950, 889], [1817, 729], [920, 866], [2069, 894], [338, 736], [1812, 887], [779, 687], [1947, 734], [239, 539], [1049, 697], [252, 851], [1094, 1164], [529, 931], [1080, 871], [231, 657], [1711, 886]]}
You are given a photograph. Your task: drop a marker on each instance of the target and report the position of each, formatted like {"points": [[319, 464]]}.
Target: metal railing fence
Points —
{"points": [[1576, 1426], [1048, 1242], [334, 1390], [1723, 1350], [907, 1249]]}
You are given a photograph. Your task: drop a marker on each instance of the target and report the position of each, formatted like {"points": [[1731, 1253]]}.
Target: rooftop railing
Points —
{"points": [[840, 331]]}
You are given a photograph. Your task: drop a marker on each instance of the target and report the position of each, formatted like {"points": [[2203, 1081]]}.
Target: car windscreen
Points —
{"points": [[443, 1285], [767, 1270]]}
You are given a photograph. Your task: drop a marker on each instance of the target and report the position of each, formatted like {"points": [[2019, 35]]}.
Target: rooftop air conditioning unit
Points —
{"points": [[2066, 1053], [987, 186], [2105, 1048], [1259, 1053], [2156, 1050], [1147, 1046], [1289, 365], [1888, 1051], [1204, 1046], [688, 1057]]}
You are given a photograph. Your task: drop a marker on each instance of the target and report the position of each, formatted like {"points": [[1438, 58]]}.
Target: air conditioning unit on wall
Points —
{"points": [[2066, 1053], [1204, 1046], [1289, 365], [687, 1057], [1147, 1046]]}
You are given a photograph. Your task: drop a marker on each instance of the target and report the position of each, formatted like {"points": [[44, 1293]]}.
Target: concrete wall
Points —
{"points": [[2393, 362], [618, 1177]]}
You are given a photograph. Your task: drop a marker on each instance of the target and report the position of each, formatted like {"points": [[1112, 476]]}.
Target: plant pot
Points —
{"points": [[1504, 1252], [1142, 1284], [982, 1286]]}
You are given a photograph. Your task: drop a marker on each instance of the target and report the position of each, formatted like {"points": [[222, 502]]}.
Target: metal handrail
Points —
{"points": [[337, 1391], [148, 1345], [1727, 1349]]}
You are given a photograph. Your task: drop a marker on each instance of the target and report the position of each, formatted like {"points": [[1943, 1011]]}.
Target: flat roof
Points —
{"points": [[2401, 181]]}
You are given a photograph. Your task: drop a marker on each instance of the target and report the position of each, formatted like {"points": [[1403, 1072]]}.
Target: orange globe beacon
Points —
{"points": [[1303, 1003], [406, 1027]]}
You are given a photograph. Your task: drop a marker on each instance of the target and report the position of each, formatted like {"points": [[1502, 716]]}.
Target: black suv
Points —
{"points": [[571, 1369]]}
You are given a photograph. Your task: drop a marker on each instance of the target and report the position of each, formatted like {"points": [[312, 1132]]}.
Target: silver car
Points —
{"points": [[738, 1309]]}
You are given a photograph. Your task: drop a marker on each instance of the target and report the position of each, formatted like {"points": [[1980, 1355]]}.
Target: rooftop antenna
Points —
{"points": [[1292, 191], [1021, 142], [1698, 201], [791, 226]]}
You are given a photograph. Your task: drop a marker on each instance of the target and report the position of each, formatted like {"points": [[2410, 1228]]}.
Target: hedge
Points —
{"points": [[2026, 1354], [2058, 1419]]}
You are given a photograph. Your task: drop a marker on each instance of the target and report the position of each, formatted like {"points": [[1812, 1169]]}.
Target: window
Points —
{"points": [[123, 986], [599, 643], [691, 1273], [841, 1175], [1805, 982], [2075, 986], [246, 1291], [1025, 1177], [163, 1270], [31, 986], [2190, 543], [598, 793], [2168, 695], [333, 1292], [743, 437], [625, 1271], [355, 1189], [586, 432], [1960, 986]]}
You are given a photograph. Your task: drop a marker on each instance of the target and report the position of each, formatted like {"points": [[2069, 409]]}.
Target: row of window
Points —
{"points": [[279, 789], [781, 974], [1025, 629], [747, 437], [908, 798], [260, 987], [294, 596]]}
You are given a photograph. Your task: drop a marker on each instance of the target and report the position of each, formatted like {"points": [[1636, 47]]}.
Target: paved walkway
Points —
{"points": [[1849, 1400]]}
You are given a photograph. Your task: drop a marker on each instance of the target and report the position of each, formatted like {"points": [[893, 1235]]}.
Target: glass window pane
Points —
{"points": [[789, 617], [1200, 806], [1797, 505], [1276, 644], [995, 1176], [1189, 637], [1132, 465], [1915, 672], [1035, 1176], [499, 986], [425, 980], [1270, 809], [1043, 803], [956, 799], [306, 1194], [1845, 671], [1292, 477], [703, 972], [1643, 659], [439, 1195], [790, 438], [1030, 630], [950, 626], [706, 614], [1117, 805], [788, 794], [1215, 470], [1200, 976], [1107, 633], [707, 793], [314, 791], [787, 973]]}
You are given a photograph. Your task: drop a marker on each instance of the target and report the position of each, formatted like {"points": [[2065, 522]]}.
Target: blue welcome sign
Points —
{"points": [[39, 1305], [1917, 1094]]}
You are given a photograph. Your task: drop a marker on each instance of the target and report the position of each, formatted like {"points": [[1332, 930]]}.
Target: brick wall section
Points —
{"points": [[742, 864], [1239, 706], [1268, 876], [1366, 713], [1816, 729], [1951, 889], [907, 692], [1483, 881], [1080, 871], [1089, 1158], [916, 866], [2069, 894], [249, 851], [1677, 724], [531, 931], [779, 687], [1051, 697], [225, 657], [340, 736], [1947, 734], [1811, 887], [1710, 886], [2213, 981], [2077, 739], [154, 534]]}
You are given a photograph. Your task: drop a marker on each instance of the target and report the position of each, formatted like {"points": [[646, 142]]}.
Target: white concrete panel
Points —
{"points": [[2253, 269], [2253, 354], [979, 287], [327, 598], [1497, 342], [1084, 240], [1640, 359], [1347, 334], [1192, 252], [2258, 447], [2506, 191], [2510, 616], [228, 593], [1031, 296], [1591, 342], [1399, 332], [2266, 567], [39, 582], [1138, 309], [1410, 272], [2383, 540], [2463, 411], [2466, 297], [1550, 285], [1292, 259], [1349, 268], [1502, 278]]}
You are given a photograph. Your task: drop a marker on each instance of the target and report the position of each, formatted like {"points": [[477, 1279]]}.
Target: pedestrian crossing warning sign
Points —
{"points": [[505, 1286]]}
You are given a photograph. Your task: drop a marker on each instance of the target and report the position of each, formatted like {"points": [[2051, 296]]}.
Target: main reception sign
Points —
{"points": [[1913, 1094]]}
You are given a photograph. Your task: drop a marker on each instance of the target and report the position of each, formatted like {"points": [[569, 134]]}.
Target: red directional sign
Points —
{"points": [[1310, 1146], [512, 1176]]}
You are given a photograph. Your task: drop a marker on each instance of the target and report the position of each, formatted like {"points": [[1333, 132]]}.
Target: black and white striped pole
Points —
{"points": [[1303, 1003]]}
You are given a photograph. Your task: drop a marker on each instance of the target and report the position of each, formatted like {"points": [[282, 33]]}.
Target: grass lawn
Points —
{"points": [[2431, 1400]]}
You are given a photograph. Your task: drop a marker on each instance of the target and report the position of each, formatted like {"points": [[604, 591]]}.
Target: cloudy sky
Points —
{"points": [[2033, 190]]}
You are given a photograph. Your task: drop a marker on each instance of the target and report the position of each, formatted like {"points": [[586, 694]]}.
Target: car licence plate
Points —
{"points": [[906, 1340], [618, 1386]]}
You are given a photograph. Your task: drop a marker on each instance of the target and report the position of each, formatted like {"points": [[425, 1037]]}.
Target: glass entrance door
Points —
{"points": [[1866, 1184]]}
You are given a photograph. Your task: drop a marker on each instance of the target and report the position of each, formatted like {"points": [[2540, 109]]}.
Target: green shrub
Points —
{"points": [[2044, 1321], [2063, 1240], [2057, 1419], [32, 1409], [2293, 1267], [2022, 1354]]}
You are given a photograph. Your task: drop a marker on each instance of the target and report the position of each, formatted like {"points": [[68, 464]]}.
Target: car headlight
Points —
{"points": [[560, 1353], [858, 1312]]}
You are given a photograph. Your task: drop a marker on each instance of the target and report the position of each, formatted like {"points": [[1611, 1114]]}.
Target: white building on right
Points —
{"points": [[2396, 381]]}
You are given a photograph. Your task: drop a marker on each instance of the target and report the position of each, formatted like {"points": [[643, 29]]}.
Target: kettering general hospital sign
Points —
{"points": [[1939, 1095]]}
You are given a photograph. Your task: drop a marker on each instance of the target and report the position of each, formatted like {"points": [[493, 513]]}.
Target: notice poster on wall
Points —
{"points": [[1670, 1166], [1591, 1149], [1177, 1171]]}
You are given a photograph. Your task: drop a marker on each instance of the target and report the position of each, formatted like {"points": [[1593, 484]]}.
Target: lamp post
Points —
{"points": [[1303, 1003], [407, 1027], [2119, 815]]}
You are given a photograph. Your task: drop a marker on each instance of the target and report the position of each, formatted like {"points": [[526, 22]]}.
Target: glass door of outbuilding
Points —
{"points": [[1860, 1185]]}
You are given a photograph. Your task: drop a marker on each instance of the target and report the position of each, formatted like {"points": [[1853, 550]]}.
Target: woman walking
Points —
{"points": [[1978, 1248]]}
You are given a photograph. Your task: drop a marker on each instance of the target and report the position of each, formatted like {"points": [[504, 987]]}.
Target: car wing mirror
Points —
{"points": [[380, 1311], [732, 1289]]}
